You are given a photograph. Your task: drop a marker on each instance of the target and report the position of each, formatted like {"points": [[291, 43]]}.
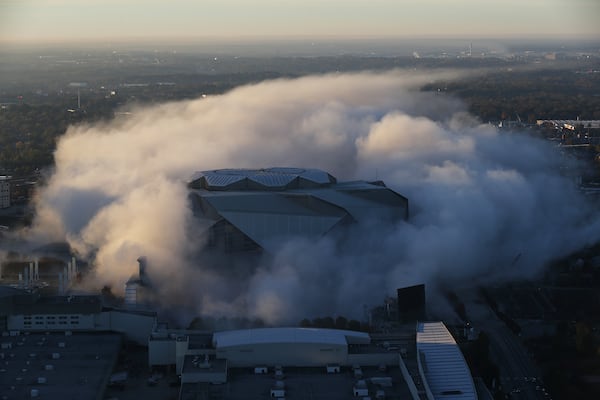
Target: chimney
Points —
{"points": [[142, 267]]}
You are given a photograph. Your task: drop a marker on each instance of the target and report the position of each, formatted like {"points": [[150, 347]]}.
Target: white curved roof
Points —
{"points": [[245, 337], [446, 372]]}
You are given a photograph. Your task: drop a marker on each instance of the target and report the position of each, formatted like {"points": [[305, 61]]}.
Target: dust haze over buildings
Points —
{"points": [[479, 198]]}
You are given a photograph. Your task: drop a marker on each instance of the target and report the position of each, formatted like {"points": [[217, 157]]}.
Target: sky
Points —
{"points": [[41, 21]]}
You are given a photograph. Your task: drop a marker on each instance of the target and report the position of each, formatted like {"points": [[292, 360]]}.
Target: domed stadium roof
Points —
{"points": [[258, 208], [261, 179]]}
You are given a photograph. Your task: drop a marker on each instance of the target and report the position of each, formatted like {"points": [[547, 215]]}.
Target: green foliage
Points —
{"points": [[530, 94]]}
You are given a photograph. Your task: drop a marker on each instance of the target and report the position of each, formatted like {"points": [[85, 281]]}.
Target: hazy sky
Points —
{"points": [[44, 20]]}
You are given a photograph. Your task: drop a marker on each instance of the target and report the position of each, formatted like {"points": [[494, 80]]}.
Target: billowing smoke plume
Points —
{"points": [[485, 206]]}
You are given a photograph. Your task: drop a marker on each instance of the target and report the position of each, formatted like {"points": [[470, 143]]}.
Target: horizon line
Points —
{"points": [[181, 39]]}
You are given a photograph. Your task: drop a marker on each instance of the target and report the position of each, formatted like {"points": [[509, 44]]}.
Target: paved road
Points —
{"points": [[519, 375]]}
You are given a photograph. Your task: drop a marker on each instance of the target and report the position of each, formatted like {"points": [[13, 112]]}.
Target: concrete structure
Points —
{"points": [[4, 191], [268, 362], [442, 367], [56, 366], [299, 347], [411, 303], [268, 348], [307, 383], [257, 209], [197, 369], [25, 311], [570, 124]]}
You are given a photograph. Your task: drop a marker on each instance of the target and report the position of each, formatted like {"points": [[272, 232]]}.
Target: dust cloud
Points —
{"points": [[479, 199]]}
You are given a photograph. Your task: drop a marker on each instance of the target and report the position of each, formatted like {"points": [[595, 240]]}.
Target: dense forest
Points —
{"points": [[532, 95]]}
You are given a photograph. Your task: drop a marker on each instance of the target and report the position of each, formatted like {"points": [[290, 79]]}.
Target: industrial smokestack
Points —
{"points": [[37, 270], [74, 266], [60, 283], [131, 294], [142, 261], [26, 276]]}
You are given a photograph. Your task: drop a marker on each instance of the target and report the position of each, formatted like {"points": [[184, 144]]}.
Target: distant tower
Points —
{"points": [[78, 85], [470, 49], [142, 262]]}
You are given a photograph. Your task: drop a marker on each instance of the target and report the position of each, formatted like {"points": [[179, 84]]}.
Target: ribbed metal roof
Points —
{"points": [[446, 372], [274, 178], [222, 180], [271, 205], [267, 229], [245, 337]]}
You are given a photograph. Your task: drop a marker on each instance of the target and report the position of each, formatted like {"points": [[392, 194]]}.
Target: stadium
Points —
{"points": [[258, 209]]}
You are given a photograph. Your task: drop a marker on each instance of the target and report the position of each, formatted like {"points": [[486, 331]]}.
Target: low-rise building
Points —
{"points": [[27, 311], [4, 191]]}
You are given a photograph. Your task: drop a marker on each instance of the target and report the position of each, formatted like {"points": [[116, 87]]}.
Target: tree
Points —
{"points": [[341, 323], [354, 325], [305, 323]]}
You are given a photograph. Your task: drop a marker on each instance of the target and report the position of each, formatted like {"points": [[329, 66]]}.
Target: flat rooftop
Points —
{"points": [[300, 383], [73, 367], [195, 364], [201, 341]]}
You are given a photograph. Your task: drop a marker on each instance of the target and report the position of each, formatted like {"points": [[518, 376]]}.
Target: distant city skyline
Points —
{"points": [[41, 21]]}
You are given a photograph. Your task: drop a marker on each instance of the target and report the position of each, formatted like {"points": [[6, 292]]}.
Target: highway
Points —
{"points": [[519, 375]]}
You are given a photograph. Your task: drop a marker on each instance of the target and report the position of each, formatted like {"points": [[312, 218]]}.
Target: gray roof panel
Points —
{"points": [[222, 180], [267, 229], [446, 372], [275, 178]]}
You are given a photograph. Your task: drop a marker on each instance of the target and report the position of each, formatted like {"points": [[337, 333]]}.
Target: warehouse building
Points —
{"points": [[27, 311], [287, 346], [56, 365], [274, 362], [369, 366], [300, 347]]}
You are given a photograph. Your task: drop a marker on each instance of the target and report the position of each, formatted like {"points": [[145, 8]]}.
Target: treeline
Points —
{"points": [[529, 94], [28, 133], [29, 129], [337, 323]]}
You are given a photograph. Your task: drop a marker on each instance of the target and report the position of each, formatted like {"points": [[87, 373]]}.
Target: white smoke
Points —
{"points": [[485, 206]]}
